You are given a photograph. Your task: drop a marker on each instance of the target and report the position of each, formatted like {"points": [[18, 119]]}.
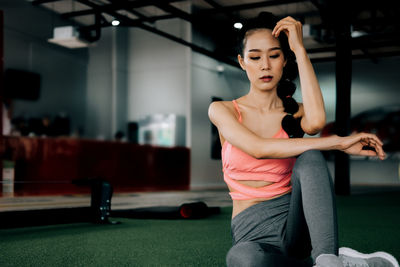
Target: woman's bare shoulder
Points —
{"points": [[222, 105], [218, 108]]}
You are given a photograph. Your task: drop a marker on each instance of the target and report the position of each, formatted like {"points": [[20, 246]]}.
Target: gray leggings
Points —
{"points": [[284, 231]]}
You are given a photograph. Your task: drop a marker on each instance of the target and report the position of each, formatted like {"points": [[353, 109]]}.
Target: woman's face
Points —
{"points": [[263, 59]]}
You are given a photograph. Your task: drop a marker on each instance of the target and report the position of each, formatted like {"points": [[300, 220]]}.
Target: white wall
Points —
{"points": [[120, 84], [89, 85], [106, 105], [206, 83], [159, 73], [99, 88], [373, 85], [63, 71]]}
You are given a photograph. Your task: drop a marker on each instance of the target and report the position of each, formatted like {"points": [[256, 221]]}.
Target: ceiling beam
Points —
{"points": [[196, 48], [229, 15], [247, 6], [125, 21], [130, 10], [175, 11], [98, 9], [115, 7], [368, 42], [39, 2]]}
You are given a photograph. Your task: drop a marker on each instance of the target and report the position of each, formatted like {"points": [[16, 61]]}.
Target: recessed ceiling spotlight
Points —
{"points": [[356, 34], [220, 69], [238, 25], [115, 22]]}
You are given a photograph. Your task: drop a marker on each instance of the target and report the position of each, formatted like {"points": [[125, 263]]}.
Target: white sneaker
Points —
{"points": [[351, 257], [328, 260]]}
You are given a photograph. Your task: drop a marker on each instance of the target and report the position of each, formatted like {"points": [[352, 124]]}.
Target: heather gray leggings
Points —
{"points": [[286, 230]]}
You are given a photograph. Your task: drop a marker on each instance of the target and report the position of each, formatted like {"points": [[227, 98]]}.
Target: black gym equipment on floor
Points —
{"points": [[100, 211]]}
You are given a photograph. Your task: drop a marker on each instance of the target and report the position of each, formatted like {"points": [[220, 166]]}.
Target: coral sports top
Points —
{"points": [[237, 165]]}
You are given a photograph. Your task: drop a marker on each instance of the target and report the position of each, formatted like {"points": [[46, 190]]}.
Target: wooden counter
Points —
{"points": [[50, 165]]}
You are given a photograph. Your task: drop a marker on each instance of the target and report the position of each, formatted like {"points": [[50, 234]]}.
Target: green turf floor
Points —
{"points": [[366, 223], [370, 222]]}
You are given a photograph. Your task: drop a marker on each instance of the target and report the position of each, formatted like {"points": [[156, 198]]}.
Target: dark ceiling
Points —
{"points": [[373, 27]]}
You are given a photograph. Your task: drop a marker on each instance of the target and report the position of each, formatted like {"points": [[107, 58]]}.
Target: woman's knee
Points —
{"points": [[310, 155], [246, 254], [310, 164], [309, 159], [252, 254]]}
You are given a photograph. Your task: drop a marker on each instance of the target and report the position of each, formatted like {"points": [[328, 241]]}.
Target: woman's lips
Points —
{"points": [[266, 78]]}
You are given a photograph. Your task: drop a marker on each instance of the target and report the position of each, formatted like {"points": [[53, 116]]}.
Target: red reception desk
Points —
{"points": [[52, 166]]}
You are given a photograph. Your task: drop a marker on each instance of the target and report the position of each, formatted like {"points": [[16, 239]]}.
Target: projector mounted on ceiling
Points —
{"points": [[68, 36]]}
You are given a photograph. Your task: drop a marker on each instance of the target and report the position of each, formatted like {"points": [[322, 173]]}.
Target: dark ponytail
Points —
{"points": [[286, 86], [285, 91]]}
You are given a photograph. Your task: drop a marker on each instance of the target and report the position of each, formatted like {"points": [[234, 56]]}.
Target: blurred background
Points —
{"points": [[120, 89]]}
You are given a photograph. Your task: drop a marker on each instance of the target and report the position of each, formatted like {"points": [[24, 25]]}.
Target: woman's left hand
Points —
{"points": [[293, 30], [363, 144]]}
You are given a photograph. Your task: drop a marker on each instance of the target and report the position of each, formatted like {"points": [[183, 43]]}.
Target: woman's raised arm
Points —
{"points": [[313, 115]]}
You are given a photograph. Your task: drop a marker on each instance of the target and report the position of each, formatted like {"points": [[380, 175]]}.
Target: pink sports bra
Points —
{"points": [[237, 165]]}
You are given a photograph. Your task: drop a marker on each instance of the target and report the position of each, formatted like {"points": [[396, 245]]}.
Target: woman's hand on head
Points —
{"points": [[293, 30], [355, 143]]}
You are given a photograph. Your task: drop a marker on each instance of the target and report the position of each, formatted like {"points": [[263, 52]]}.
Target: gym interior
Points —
{"points": [[108, 154]]}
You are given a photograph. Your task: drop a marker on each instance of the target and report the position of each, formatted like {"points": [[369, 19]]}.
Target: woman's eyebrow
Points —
{"points": [[270, 49], [275, 48]]}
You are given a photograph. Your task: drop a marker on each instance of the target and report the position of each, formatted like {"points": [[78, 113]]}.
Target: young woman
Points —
{"points": [[283, 202]]}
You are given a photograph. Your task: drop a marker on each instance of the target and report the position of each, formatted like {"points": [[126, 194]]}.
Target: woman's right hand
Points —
{"points": [[355, 143], [293, 30]]}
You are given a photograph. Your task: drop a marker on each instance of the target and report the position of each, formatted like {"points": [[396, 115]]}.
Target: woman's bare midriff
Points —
{"points": [[241, 205]]}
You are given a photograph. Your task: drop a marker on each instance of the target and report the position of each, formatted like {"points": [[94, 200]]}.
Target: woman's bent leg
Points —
{"points": [[246, 254], [258, 236], [312, 212], [253, 254]]}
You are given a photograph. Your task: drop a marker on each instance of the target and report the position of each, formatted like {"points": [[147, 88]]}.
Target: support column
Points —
{"points": [[343, 100]]}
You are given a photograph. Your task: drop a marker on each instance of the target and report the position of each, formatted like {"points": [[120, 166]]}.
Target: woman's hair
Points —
{"points": [[286, 87]]}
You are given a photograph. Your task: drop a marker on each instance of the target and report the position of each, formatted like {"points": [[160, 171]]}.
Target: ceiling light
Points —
{"points": [[68, 36], [115, 22], [356, 34], [238, 25], [220, 69]]}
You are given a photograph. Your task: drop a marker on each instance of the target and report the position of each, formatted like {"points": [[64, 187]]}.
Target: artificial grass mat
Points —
{"points": [[366, 223], [370, 222]]}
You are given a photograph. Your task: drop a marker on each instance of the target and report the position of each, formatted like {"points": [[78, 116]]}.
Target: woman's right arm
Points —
{"points": [[258, 147]]}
